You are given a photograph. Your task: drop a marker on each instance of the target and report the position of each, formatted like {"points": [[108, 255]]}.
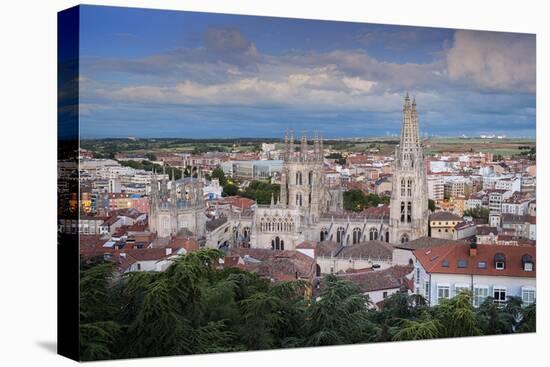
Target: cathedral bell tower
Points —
{"points": [[301, 177], [409, 199]]}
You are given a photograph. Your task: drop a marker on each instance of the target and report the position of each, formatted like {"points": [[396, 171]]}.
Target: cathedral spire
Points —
{"points": [[303, 148], [409, 146], [291, 144], [408, 203], [321, 148], [287, 147], [316, 144]]}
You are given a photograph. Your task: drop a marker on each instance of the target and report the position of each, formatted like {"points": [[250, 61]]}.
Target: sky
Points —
{"points": [[173, 74]]}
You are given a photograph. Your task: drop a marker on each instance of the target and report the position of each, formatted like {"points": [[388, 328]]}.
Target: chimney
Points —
{"points": [[473, 249], [168, 251]]}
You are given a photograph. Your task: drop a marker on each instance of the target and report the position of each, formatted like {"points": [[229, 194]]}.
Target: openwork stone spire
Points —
{"points": [[409, 147], [409, 200]]}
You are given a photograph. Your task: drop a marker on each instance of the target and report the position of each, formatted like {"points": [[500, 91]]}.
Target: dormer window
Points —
{"points": [[500, 261], [527, 262]]}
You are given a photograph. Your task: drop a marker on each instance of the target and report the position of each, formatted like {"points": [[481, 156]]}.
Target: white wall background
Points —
{"points": [[28, 149]]}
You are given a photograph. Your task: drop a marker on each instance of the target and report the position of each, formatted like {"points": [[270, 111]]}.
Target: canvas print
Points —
{"points": [[236, 183]]}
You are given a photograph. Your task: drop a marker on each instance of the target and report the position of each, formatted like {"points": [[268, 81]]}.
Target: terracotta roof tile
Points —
{"points": [[445, 259], [444, 216]]}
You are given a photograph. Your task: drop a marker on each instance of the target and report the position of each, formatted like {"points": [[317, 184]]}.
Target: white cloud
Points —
{"points": [[230, 71], [493, 60], [358, 84]]}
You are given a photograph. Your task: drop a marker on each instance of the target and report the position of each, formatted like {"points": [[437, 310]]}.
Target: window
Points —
{"points": [[527, 262], [405, 238], [445, 263], [443, 292], [138, 266], [409, 212], [499, 294], [528, 295], [357, 235], [340, 235], [427, 290], [384, 294], [462, 264], [500, 261], [480, 294], [373, 234], [417, 275], [482, 265]]}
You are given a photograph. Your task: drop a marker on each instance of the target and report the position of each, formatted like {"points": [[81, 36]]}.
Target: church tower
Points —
{"points": [[301, 177], [409, 199]]}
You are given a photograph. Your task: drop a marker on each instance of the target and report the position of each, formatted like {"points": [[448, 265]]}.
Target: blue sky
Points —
{"points": [[156, 73]]}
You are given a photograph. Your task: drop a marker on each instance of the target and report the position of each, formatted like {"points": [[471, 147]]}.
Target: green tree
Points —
{"points": [[338, 158], [98, 307], [230, 190], [528, 323], [262, 191], [457, 316], [431, 205], [340, 316], [220, 175], [425, 328], [492, 320], [356, 200], [477, 212]]}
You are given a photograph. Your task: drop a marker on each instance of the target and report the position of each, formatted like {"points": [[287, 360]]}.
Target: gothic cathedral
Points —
{"points": [[308, 208]]}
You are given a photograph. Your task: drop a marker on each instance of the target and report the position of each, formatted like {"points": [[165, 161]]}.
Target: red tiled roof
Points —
{"points": [[444, 216], [433, 259], [390, 278], [190, 244], [236, 201], [358, 159], [276, 265]]}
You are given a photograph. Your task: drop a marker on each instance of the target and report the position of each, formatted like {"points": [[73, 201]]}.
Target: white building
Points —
{"points": [[435, 187], [516, 206], [496, 198], [509, 184], [486, 270], [213, 190]]}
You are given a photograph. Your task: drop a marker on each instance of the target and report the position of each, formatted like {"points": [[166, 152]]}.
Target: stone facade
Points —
{"points": [[177, 205]]}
